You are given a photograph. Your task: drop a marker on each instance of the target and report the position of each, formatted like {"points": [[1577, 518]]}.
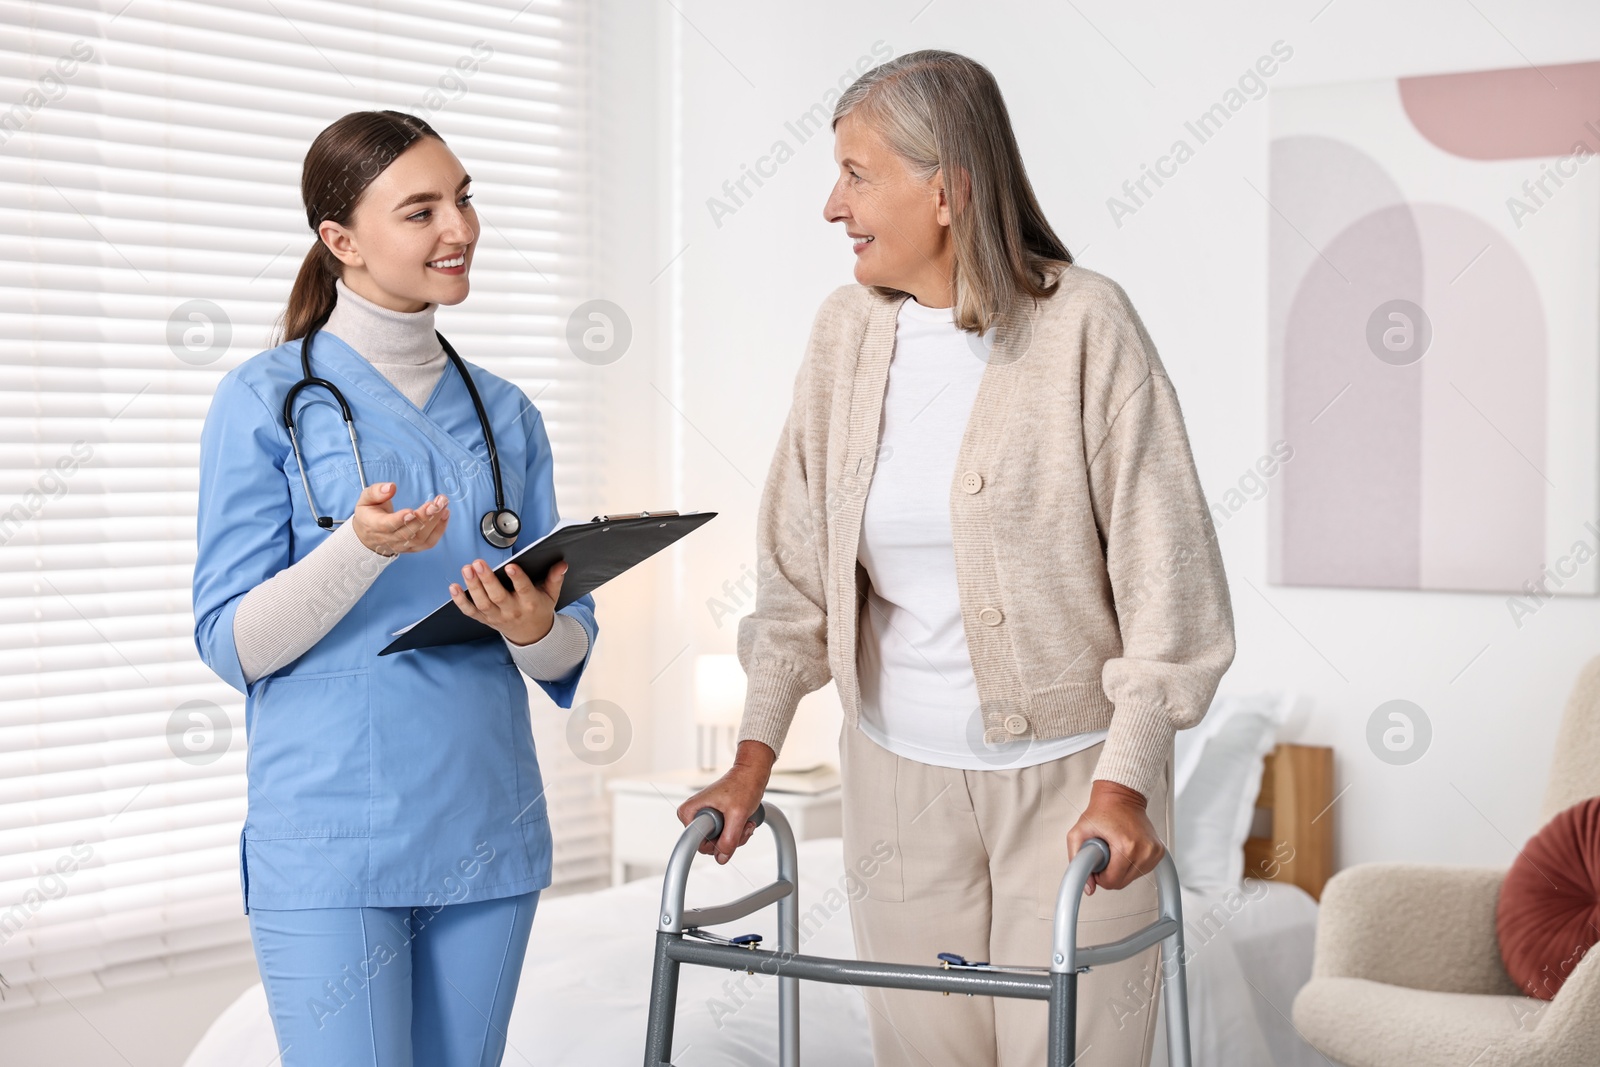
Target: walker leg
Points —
{"points": [[663, 1005], [1063, 1046], [788, 945], [788, 1018], [1175, 992]]}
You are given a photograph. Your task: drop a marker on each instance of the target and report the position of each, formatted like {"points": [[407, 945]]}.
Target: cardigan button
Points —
{"points": [[990, 616], [972, 481], [1016, 725]]}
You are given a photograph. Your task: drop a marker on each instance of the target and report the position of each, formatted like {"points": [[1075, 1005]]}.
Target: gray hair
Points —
{"points": [[939, 111]]}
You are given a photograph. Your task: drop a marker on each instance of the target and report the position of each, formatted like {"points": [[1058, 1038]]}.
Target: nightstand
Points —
{"points": [[644, 815]]}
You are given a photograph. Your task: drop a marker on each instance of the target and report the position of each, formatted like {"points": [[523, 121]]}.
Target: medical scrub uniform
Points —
{"points": [[396, 836]]}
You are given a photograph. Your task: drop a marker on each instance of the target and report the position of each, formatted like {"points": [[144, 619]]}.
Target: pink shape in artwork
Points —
{"points": [[1515, 113]]}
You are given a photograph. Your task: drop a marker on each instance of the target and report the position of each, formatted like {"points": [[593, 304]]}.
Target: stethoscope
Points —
{"points": [[499, 527]]}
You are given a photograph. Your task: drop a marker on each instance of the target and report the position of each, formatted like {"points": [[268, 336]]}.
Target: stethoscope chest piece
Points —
{"points": [[500, 528]]}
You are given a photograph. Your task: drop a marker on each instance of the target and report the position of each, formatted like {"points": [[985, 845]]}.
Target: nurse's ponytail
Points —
{"points": [[341, 163]]}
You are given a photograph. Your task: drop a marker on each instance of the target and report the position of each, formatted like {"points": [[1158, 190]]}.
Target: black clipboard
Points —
{"points": [[595, 551]]}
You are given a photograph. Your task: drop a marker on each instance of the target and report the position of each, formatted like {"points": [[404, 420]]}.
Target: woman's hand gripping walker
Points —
{"points": [[680, 939]]}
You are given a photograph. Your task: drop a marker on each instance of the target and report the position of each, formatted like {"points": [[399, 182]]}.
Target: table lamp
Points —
{"points": [[718, 707]]}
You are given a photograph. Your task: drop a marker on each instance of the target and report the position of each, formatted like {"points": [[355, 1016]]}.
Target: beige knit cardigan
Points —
{"points": [[1091, 587]]}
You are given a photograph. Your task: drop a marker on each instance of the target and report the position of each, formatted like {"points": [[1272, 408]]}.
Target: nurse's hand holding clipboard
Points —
{"points": [[523, 615]]}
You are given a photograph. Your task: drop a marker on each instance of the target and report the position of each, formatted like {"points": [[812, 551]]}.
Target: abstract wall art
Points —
{"points": [[1434, 332]]}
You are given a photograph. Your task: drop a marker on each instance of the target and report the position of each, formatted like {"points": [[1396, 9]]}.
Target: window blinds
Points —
{"points": [[151, 225]]}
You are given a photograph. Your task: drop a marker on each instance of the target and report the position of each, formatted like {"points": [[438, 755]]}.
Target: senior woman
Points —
{"points": [[984, 523]]}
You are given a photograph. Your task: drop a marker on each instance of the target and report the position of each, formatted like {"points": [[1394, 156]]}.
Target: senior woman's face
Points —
{"points": [[899, 227]]}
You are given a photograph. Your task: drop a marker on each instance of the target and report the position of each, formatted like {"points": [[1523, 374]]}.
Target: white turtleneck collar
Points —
{"points": [[400, 344], [381, 335]]}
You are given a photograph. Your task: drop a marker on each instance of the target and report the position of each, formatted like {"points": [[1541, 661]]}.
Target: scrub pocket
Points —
{"points": [[868, 778], [309, 758]]}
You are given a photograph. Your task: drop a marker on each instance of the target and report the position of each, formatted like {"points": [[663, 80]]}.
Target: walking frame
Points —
{"points": [[680, 939]]}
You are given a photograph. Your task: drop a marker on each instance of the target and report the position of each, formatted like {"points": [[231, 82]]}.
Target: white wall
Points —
{"points": [[1095, 92]]}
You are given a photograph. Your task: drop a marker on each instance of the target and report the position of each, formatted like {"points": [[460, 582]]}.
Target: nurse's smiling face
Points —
{"points": [[411, 236]]}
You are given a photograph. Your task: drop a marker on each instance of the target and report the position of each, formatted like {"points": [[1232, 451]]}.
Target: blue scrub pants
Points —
{"points": [[393, 987]]}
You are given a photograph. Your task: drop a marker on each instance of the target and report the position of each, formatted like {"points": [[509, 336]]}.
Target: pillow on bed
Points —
{"points": [[1548, 915], [1216, 778]]}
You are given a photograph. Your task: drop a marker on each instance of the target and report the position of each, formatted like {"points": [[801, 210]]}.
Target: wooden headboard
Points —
{"points": [[1292, 836]]}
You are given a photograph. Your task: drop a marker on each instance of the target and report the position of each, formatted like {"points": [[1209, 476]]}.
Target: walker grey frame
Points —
{"points": [[1059, 986]]}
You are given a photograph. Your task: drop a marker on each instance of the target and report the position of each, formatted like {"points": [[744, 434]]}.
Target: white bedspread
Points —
{"points": [[1249, 953], [585, 985]]}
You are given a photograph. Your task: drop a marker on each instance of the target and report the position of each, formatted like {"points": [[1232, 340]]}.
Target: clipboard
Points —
{"points": [[595, 552]]}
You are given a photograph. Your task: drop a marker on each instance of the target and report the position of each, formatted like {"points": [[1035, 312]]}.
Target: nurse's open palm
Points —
{"points": [[389, 532]]}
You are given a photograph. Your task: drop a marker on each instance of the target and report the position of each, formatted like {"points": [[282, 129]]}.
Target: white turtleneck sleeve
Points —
{"points": [[280, 619]]}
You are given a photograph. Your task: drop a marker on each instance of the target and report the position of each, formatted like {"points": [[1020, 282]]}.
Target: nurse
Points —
{"points": [[396, 836]]}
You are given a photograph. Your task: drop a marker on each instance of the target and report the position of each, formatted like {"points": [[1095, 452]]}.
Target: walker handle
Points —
{"points": [[757, 817], [1067, 958], [1105, 853]]}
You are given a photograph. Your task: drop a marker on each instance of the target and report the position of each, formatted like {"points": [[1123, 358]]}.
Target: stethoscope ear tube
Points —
{"points": [[499, 527]]}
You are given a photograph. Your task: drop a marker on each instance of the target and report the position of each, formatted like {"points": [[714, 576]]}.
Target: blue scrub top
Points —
{"points": [[376, 781]]}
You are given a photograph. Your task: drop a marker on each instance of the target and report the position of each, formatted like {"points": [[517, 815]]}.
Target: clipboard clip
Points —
{"points": [[633, 515]]}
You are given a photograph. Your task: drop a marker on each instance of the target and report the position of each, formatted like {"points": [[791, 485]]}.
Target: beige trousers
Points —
{"points": [[975, 862]]}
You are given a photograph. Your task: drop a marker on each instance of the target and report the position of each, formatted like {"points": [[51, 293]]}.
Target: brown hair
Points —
{"points": [[341, 163], [943, 112]]}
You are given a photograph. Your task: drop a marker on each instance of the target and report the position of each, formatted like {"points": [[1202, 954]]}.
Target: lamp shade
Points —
{"points": [[718, 690]]}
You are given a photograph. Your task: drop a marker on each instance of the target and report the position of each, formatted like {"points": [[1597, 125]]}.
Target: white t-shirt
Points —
{"points": [[918, 695]]}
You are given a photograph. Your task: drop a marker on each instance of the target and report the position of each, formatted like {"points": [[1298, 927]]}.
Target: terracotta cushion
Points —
{"points": [[1549, 910]]}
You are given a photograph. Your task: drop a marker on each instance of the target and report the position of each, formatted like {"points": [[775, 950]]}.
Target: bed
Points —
{"points": [[585, 983]]}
